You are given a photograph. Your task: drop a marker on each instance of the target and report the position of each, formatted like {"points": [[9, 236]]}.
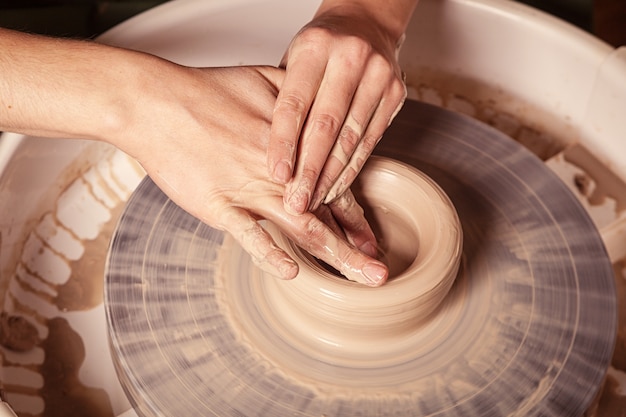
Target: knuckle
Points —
{"points": [[291, 104], [314, 36], [230, 223], [314, 231], [381, 65], [326, 180], [213, 212], [311, 40], [309, 177], [346, 259], [348, 139], [358, 48], [284, 145], [369, 142], [326, 124], [253, 238]]}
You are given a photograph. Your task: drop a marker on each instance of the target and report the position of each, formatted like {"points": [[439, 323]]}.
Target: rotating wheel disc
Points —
{"points": [[527, 329]]}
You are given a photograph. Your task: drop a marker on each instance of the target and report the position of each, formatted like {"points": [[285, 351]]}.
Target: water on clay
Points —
{"points": [[185, 302]]}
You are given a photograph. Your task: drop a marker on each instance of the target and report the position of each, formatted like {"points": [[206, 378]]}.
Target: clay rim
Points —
{"points": [[411, 190]]}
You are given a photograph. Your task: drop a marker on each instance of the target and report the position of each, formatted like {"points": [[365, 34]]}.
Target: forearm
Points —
{"points": [[63, 88], [393, 16]]}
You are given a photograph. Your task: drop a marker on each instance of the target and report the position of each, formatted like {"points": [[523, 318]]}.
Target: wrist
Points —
{"points": [[392, 17], [124, 90]]}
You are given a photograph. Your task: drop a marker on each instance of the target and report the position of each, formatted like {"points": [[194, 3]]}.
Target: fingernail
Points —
{"points": [[316, 201], [282, 172], [374, 273], [369, 249], [333, 193], [288, 269], [297, 203]]}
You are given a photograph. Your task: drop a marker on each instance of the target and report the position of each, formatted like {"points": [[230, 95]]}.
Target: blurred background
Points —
{"points": [[89, 18]]}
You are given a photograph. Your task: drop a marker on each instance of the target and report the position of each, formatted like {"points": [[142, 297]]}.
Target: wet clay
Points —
{"points": [[330, 318], [540, 131], [185, 303], [84, 289], [64, 394], [613, 399], [60, 242], [17, 333]]}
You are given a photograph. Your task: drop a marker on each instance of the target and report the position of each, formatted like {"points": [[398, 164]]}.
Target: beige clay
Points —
{"points": [[330, 317], [523, 320]]}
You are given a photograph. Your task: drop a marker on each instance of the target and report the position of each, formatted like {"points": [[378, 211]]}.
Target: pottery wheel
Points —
{"points": [[527, 328]]}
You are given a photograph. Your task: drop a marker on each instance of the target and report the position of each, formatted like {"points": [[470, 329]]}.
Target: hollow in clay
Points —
{"points": [[420, 239]]}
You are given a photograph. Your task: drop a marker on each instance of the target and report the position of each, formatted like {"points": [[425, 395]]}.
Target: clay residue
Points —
{"points": [[63, 392], [608, 184], [85, 288], [619, 356], [17, 333], [612, 404], [543, 133]]}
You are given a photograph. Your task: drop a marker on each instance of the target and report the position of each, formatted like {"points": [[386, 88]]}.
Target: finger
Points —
{"points": [[304, 75], [259, 244], [325, 214], [365, 102], [320, 131], [350, 216], [312, 235], [384, 114], [369, 104]]}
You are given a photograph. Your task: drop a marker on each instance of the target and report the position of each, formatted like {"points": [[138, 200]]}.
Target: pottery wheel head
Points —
{"points": [[504, 306]]}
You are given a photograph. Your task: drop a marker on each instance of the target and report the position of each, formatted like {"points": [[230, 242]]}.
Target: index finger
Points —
{"points": [[312, 235], [302, 80]]}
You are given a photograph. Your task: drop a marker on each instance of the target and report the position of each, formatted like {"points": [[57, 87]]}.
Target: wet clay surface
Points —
{"points": [[59, 275], [602, 194], [543, 134], [84, 289], [556, 141], [69, 295], [16, 333], [530, 283], [63, 392]]}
